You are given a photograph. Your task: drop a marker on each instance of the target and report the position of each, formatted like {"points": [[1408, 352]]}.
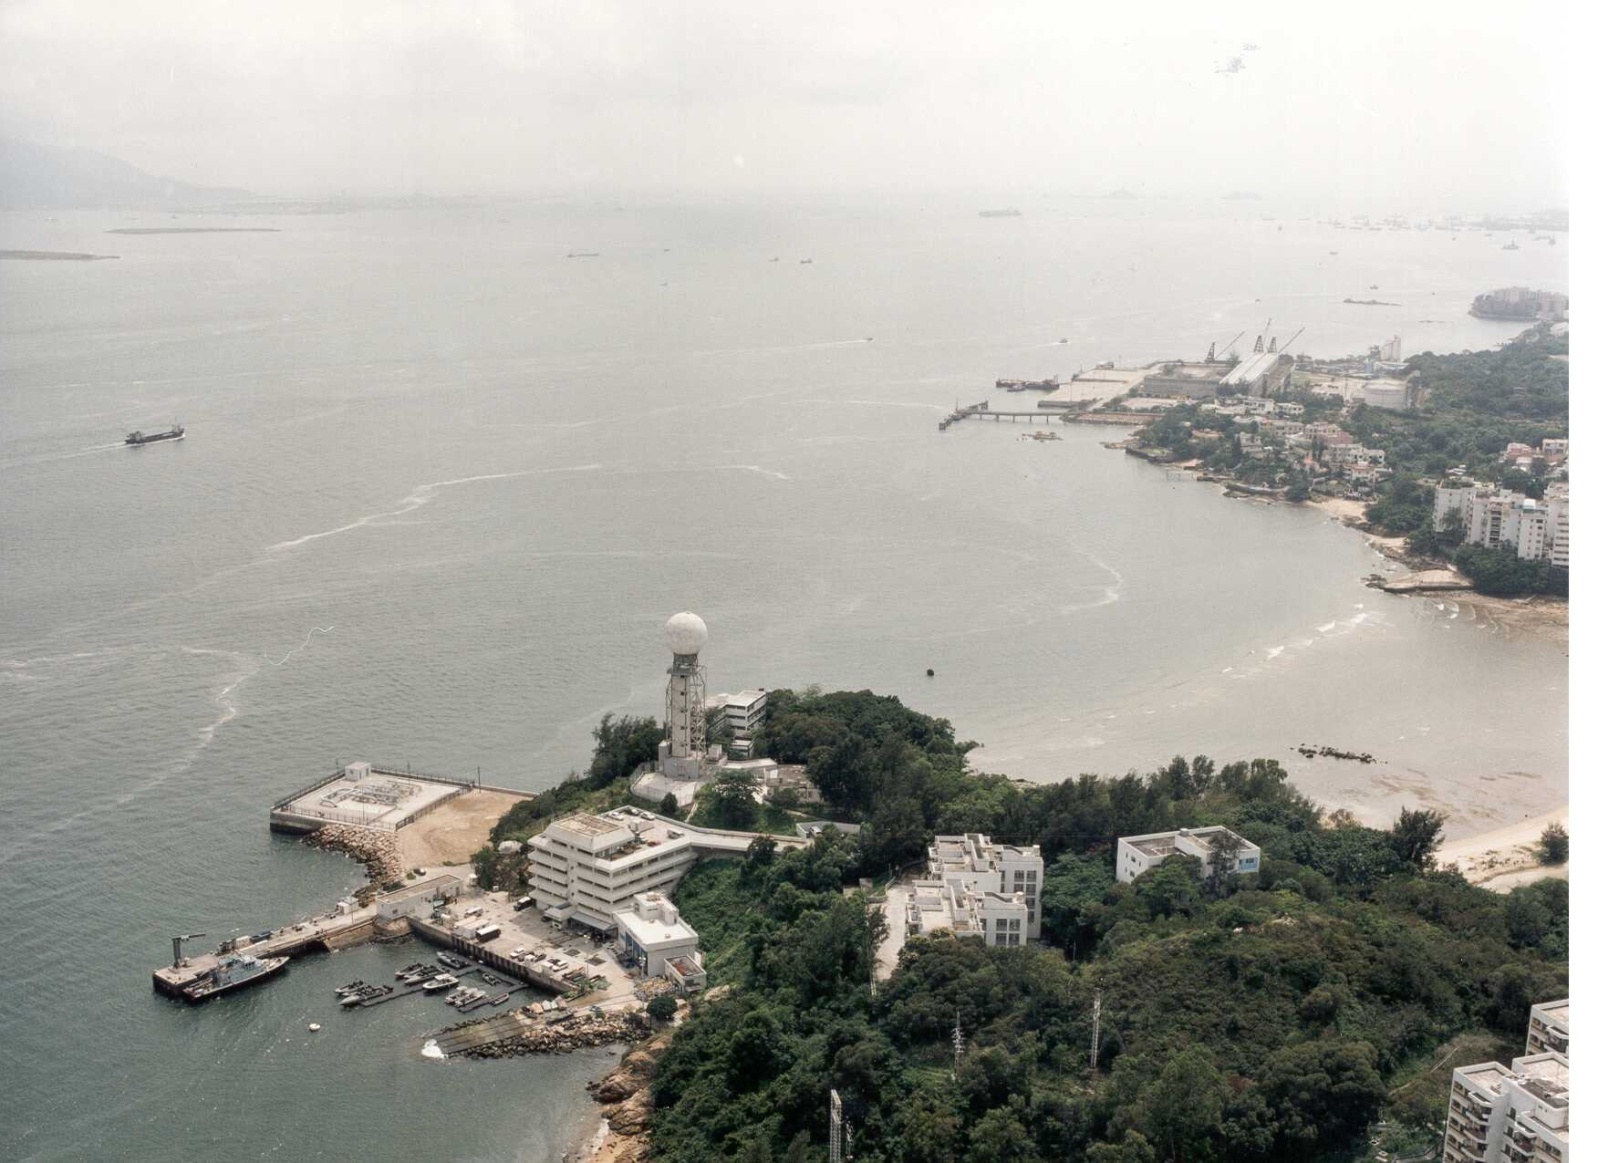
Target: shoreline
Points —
{"points": [[1540, 617], [1504, 858]]}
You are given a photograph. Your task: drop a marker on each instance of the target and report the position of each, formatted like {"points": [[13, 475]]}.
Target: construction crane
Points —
{"points": [[1211, 356], [1292, 338], [1262, 338], [177, 947]]}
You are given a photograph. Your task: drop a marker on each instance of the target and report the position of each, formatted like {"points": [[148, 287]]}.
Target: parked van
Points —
{"points": [[487, 933]]}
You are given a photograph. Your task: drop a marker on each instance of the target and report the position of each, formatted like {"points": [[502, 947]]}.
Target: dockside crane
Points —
{"points": [[1292, 338], [1262, 338], [177, 947], [1211, 356]]}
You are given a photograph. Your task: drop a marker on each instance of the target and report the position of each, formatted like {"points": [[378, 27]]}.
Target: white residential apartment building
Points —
{"points": [[977, 887], [1139, 854], [1547, 1028], [1515, 1114], [953, 905], [1538, 530]]}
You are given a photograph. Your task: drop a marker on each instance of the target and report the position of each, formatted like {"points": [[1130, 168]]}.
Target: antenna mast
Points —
{"points": [[1094, 1038]]}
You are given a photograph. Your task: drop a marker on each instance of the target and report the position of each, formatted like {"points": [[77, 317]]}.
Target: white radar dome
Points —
{"points": [[686, 633]]}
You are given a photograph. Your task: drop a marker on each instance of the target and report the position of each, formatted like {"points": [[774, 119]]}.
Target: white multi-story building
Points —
{"points": [[981, 888], [952, 904], [652, 933], [1515, 1114], [587, 868], [1538, 530], [1351, 453], [1547, 1028], [1139, 854], [741, 713], [1508, 1115]]}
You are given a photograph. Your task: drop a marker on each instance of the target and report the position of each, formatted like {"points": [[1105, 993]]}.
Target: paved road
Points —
{"points": [[894, 912]]}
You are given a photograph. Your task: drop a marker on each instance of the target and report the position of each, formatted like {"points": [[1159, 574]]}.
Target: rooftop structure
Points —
{"points": [[365, 796], [1139, 854]]}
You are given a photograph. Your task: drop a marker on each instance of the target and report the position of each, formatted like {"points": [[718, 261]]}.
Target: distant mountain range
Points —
{"points": [[47, 177]]}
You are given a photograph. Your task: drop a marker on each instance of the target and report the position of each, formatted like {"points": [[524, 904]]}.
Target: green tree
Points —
{"points": [[1183, 1107], [1323, 1095], [1416, 836], [620, 746], [1000, 1137], [669, 805], [1070, 902], [730, 802], [1553, 844], [662, 1006]]}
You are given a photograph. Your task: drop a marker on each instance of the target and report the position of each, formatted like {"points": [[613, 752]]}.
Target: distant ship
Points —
{"points": [[1512, 245], [1008, 213], [137, 438], [233, 971]]}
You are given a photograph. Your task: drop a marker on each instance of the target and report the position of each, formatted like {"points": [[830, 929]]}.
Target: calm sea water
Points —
{"points": [[443, 484]]}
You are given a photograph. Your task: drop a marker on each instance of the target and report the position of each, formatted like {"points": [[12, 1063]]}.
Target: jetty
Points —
{"points": [[389, 916]]}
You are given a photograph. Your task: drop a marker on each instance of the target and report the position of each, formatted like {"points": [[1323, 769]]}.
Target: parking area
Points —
{"points": [[527, 938]]}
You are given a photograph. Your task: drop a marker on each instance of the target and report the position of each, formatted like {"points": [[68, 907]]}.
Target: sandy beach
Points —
{"points": [[1506, 857]]}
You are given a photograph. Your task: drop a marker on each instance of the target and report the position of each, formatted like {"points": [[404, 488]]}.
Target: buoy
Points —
{"points": [[314, 1027], [930, 672]]}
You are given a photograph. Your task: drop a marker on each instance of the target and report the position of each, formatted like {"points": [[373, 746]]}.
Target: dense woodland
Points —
{"points": [[1266, 1017]]}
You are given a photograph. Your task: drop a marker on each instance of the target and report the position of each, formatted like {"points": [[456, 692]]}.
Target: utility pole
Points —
{"points": [[960, 1044], [835, 1128]]}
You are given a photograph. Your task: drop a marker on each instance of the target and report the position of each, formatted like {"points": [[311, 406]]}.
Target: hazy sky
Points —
{"points": [[1402, 104]]}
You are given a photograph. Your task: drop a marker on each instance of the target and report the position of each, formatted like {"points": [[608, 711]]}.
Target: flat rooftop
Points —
{"points": [[1555, 1011], [585, 824], [376, 799]]}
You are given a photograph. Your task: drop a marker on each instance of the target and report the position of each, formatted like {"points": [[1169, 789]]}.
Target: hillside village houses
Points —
{"points": [[977, 888], [1139, 854]]}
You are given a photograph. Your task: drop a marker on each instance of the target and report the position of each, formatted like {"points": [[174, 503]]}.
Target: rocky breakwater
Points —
{"points": [[625, 1094], [558, 1038], [379, 851]]}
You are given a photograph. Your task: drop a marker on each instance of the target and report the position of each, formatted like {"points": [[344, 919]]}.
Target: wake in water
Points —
{"points": [[303, 645], [421, 495], [50, 458]]}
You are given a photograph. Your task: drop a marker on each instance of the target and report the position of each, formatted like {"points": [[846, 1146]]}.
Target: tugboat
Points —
{"points": [[136, 438], [233, 971]]}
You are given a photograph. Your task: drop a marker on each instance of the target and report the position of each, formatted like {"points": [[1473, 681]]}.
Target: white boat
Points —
{"points": [[443, 981]]}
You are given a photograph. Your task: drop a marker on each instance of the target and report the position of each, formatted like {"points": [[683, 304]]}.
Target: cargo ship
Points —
{"points": [[137, 438]]}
